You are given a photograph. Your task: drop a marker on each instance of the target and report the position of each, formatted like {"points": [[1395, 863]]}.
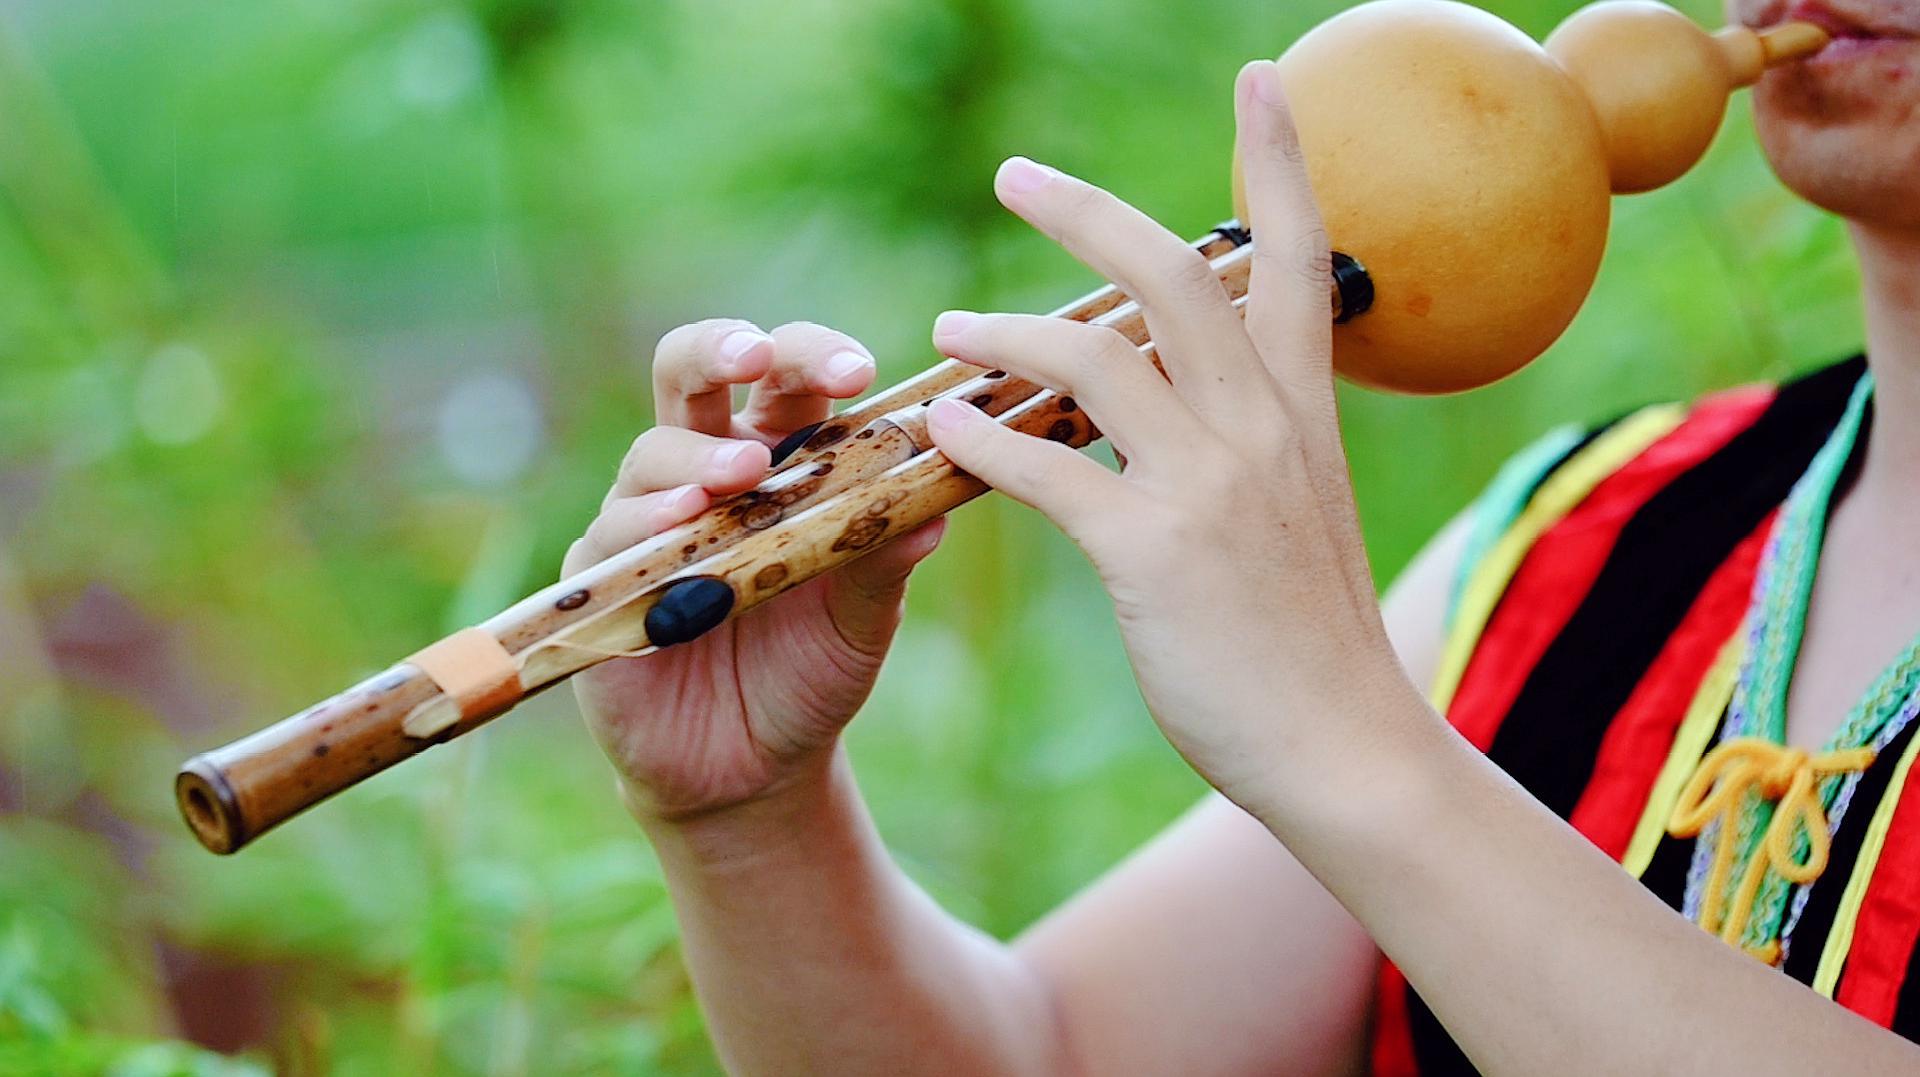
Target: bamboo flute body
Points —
{"points": [[860, 478]]}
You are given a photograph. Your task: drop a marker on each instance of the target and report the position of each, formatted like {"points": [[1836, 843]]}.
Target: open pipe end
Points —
{"points": [[208, 805]]}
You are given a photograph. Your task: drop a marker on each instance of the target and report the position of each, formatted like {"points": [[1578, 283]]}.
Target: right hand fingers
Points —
{"points": [[812, 366], [625, 521], [696, 366], [668, 456], [795, 371]]}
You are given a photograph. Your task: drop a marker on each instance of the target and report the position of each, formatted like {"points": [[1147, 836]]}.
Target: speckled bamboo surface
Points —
{"points": [[861, 478]]}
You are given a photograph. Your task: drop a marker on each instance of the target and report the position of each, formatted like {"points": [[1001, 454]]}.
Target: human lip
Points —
{"points": [[1851, 32]]}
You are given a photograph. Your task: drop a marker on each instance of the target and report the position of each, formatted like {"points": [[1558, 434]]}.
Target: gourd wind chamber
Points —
{"points": [[1468, 168]]}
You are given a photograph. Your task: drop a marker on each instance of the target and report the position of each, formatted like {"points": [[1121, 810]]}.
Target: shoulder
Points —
{"points": [[1619, 466], [1574, 489]]}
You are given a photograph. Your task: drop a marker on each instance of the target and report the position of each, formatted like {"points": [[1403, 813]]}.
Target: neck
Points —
{"points": [[1890, 290]]}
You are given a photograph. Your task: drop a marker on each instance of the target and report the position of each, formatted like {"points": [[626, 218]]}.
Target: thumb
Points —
{"points": [[863, 599], [1063, 485]]}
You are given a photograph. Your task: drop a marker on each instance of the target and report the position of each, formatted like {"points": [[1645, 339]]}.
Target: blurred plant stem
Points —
{"points": [[38, 772], [111, 280]]}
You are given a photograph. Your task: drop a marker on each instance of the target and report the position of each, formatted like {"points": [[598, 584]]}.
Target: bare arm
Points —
{"points": [[1534, 949], [1209, 951], [1212, 951]]}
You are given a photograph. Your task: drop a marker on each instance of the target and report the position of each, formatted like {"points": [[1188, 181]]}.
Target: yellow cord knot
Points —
{"points": [[1718, 790]]}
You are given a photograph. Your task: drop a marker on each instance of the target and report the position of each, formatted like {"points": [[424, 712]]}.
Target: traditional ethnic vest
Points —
{"points": [[1605, 573]]}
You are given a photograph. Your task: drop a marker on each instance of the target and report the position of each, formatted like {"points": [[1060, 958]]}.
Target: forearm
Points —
{"points": [[1538, 953], [811, 952]]}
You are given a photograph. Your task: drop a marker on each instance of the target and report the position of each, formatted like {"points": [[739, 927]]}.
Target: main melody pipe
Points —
{"points": [[861, 477], [1519, 192]]}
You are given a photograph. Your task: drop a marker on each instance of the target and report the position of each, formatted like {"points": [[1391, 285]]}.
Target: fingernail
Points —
{"points": [[726, 456], [846, 364], [735, 346], [947, 413], [1266, 83], [1020, 175], [953, 322]]}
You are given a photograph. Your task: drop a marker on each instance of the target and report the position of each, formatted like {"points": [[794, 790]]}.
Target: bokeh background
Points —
{"points": [[322, 326]]}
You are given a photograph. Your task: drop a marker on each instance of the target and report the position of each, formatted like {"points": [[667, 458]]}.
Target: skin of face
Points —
{"points": [[1842, 129]]}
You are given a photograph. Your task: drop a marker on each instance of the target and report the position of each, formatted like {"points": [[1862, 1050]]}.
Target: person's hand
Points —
{"points": [[1229, 541], [759, 701]]}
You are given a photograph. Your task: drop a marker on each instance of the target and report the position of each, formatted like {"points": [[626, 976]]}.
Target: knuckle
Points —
{"points": [[1311, 251], [795, 341], [804, 336], [1303, 255], [1190, 277], [800, 327], [1286, 147], [601, 540], [675, 346], [686, 352], [642, 451], [1096, 350], [650, 452], [647, 441], [1220, 474], [1083, 203], [1031, 471]]}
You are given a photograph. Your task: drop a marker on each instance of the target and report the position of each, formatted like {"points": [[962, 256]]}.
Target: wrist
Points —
{"points": [[1360, 756], [801, 802]]}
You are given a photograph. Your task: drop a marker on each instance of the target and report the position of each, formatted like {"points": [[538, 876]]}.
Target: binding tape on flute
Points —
{"points": [[1463, 173]]}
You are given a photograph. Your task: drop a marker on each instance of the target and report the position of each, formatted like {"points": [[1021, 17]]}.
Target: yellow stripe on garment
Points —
{"points": [[1689, 744], [1569, 485], [1833, 957]]}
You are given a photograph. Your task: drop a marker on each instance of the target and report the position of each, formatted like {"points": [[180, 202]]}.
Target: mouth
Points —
{"points": [[1852, 34]]}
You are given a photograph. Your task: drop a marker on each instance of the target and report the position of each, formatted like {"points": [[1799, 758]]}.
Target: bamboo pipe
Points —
{"points": [[949, 374], [839, 495]]}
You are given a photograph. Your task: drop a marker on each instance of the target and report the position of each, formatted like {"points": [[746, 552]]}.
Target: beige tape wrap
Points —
{"points": [[474, 671]]}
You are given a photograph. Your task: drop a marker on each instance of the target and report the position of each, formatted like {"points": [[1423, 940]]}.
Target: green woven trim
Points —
{"points": [[1506, 497]]}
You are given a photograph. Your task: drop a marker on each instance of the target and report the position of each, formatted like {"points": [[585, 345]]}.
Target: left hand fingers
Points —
{"points": [[1072, 490], [1129, 400], [812, 366], [1201, 341], [1288, 316]]}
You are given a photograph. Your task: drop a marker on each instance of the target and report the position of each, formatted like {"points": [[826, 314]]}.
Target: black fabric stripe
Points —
{"points": [[1587, 438], [1823, 903], [1550, 737], [1666, 872], [1664, 555], [1433, 1049], [1906, 1006]]}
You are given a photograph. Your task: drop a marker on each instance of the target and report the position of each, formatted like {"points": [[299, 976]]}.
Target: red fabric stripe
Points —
{"points": [[1555, 575], [1889, 923], [1393, 1036], [1637, 743], [1552, 580]]}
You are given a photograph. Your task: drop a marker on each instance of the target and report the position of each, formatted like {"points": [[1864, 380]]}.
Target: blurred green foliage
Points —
{"points": [[322, 325]]}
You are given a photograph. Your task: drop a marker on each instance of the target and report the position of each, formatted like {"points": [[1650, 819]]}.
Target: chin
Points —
{"points": [[1842, 129]]}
